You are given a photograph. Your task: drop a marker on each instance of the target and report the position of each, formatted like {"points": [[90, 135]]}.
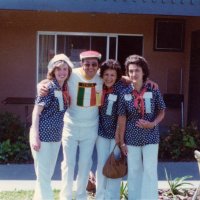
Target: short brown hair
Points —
{"points": [[140, 62], [111, 64]]}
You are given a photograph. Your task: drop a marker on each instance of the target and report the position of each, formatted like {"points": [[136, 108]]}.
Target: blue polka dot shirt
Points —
{"points": [[51, 118], [134, 135], [108, 122]]}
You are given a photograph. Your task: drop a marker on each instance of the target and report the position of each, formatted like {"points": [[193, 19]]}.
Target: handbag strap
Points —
{"points": [[122, 154], [114, 147]]}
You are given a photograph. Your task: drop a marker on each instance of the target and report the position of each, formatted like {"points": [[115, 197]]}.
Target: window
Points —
{"points": [[72, 44], [169, 34]]}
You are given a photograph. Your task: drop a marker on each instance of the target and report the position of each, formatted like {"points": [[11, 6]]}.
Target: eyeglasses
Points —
{"points": [[90, 64]]}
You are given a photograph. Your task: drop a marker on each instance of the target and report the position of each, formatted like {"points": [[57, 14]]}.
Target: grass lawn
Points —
{"points": [[16, 195], [25, 195]]}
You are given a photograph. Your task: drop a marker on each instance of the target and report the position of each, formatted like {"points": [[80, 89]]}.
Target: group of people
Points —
{"points": [[95, 105]]}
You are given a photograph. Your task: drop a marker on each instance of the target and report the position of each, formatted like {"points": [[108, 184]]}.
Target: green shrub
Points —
{"points": [[179, 143], [14, 143], [10, 127], [18, 152]]}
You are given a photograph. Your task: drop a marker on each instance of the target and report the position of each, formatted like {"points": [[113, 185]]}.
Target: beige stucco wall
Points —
{"points": [[18, 49]]}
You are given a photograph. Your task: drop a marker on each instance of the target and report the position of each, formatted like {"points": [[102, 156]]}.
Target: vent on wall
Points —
{"points": [[169, 34]]}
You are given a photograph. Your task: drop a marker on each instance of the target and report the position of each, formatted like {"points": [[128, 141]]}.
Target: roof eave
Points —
{"points": [[159, 7]]}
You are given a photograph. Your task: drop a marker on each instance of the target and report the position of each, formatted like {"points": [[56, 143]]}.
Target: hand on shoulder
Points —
{"points": [[153, 84], [42, 87]]}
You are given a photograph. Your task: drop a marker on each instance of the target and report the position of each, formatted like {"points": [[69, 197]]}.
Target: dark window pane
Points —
{"points": [[169, 35], [72, 46], [128, 45], [98, 43]]}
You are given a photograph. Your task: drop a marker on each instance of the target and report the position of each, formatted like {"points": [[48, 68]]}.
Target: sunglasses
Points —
{"points": [[90, 64]]}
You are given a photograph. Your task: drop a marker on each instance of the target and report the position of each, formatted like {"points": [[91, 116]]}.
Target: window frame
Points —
{"points": [[56, 33]]}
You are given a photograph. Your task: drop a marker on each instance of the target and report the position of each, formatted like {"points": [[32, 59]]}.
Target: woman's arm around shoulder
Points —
{"points": [[42, 87]]}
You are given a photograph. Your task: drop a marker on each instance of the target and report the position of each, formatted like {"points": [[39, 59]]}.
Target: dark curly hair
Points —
{"points": [[140, 62], [111, 64]]}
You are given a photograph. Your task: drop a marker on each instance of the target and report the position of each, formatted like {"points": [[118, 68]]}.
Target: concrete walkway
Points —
{"points": [[22, 176]]}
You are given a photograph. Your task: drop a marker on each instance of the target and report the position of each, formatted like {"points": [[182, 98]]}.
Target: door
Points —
{"points": [[194, 83]]}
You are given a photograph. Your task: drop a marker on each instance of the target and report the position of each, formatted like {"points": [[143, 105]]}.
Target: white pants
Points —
{"points": [[44, 163], [74, 136], [142, 172], [107, 188]]}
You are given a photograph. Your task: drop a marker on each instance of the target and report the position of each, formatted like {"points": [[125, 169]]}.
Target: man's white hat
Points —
{"points": [[90, 54]]}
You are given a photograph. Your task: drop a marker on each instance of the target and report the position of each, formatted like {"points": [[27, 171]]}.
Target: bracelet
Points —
{"points": [[123, 145], [155, 123]]}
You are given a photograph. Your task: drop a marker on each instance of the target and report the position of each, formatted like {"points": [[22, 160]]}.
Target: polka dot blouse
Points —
{"points": [[134, 135], [108, 122], [51, 118]]}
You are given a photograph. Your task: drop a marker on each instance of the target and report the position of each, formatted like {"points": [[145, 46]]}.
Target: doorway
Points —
{"points": [[194, 80]]}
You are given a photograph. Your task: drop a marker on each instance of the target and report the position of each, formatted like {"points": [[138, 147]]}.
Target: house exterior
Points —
{"points": [[165, 32]]}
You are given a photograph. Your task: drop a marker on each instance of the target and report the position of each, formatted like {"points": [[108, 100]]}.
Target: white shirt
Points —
{"points": [[85, 99]]}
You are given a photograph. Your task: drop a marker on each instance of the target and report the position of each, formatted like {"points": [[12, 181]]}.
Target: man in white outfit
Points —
{"points": [[81, 124]]}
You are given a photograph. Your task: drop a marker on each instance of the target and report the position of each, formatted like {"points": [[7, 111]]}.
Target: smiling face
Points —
{"points": [[61, 73], [90, 67], [135, 73], [109, 77]]}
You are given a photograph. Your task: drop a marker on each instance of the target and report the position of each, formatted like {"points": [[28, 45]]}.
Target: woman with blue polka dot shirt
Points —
{"points": [[141, 109], [47, 125], [110, 72]]}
